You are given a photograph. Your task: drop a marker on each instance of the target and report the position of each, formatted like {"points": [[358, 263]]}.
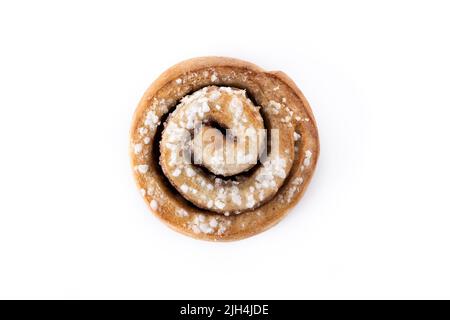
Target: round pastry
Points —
{"points": [[222, 149]]}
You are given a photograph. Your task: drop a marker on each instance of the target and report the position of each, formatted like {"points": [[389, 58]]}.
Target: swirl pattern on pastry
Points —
{"points": [[214, 185]]}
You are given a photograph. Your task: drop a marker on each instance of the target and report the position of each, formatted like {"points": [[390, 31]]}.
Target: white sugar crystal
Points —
{"points": [[154, 205], [296, 136], [195, 113], [151, 119], [219, 204], [261, 195], [226, 89], [184, 188], [205, 228], [286, 119], [176, 172], [146, 140], [236, 107], [198, 225], [137, 148], [275, 106], [307, 161], [221, 230], [250, 201], [178, 81], [195, 229], [205, 107], [190, 172], [236, 198], [171, 146], [277, 165], [214, 95], [143, 131], [175, 134], [182, 213], [213, 223], [142, 168]]}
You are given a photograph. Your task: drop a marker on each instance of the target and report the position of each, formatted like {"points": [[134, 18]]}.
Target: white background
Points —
{"points": [[375, 222]]}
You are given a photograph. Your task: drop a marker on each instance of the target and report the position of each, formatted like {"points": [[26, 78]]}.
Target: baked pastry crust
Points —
{"points": [[278, 97]]}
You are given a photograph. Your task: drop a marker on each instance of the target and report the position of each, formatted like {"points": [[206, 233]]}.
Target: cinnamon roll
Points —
{"points": [[222, 149]]}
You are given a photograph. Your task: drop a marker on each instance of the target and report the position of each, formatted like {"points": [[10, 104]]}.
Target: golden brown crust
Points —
{"points": [[164, 94]]}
